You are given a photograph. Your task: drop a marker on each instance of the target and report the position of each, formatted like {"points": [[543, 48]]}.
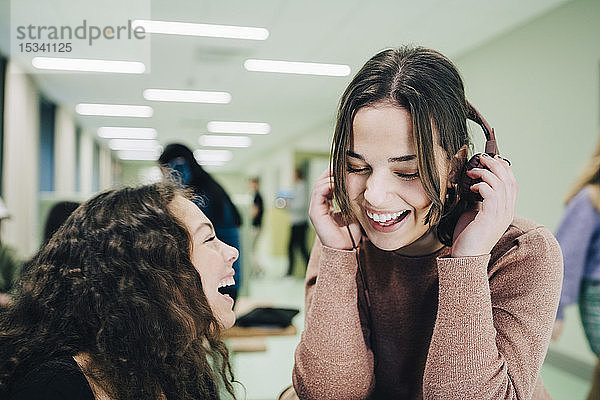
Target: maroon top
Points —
{"points": [[442, 328]]}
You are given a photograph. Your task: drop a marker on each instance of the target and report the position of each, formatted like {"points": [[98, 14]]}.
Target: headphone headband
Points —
{"points": [[491, 147]]}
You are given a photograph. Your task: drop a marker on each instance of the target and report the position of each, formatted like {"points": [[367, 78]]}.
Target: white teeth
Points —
{"points": [[227, 282], [384, 218]]}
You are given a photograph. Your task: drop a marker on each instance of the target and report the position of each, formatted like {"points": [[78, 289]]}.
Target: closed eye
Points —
{"points": [[353, 170], [407, 177], [213, 237]]}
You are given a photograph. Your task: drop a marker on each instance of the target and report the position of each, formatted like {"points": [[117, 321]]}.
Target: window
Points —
{"points": [[78, 159], [47, 116]]}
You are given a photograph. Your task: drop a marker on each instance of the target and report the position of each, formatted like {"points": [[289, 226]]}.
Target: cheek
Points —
{"points": [[202, 261], [414, 193], [355, 185]]}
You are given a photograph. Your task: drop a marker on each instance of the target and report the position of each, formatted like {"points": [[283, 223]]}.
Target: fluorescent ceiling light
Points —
{"points": [[190, 29], [115, 132], [139, 155], [224, 141], [294, 67], [188, 96], [211, 156], [88, 65], [257, 128], [114, 110], [212, 163], [132, 144]]}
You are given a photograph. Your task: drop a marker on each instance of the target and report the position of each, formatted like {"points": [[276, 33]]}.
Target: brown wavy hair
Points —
{"points": [[427, 85], [116, 282]]}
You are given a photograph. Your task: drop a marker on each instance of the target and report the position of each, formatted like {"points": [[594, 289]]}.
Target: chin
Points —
{"points": [[385, 244], [227, 321]]}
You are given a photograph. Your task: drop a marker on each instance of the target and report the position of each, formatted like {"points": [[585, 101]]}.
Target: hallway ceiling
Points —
{"points": [[338, 32]]}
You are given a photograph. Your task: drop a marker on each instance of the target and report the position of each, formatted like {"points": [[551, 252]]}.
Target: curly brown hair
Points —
{"points": [[116, 282]]}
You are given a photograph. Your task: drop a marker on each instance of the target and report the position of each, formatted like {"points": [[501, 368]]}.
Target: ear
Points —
{"points": [[456, 161]]}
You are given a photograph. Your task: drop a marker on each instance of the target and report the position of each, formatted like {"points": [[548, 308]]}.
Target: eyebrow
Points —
{"points": [[201, 226], [409, 157]]}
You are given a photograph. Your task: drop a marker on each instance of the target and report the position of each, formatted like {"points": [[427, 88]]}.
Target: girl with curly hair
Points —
{"points": [[123, 303]]}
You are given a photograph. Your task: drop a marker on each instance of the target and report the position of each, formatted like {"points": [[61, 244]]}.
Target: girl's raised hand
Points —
{"points": [[479, 230], [327, 223]]}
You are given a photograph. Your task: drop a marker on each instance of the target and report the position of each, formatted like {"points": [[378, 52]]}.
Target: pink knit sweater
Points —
{"points": [[441, 327]]}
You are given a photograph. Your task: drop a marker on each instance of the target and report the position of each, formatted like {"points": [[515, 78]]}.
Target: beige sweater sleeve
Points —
{"points": [[332, 360], [492, 332]]}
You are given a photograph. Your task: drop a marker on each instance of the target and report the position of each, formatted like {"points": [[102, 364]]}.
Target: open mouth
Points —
{"points": [[386, 220], [225, 286]]}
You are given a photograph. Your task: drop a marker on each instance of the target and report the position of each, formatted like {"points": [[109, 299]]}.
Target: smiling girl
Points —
{"points": [[415, 290], [123, 302]]}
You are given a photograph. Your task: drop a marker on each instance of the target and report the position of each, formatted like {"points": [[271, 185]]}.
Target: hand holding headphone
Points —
{"points": [[491, 149], [479, 229]]}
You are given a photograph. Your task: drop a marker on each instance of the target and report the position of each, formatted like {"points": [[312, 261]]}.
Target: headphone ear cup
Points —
{"points": [[465, 182]]}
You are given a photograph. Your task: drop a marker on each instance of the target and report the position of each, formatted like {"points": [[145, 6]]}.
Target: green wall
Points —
{"points": [[538, 85]]}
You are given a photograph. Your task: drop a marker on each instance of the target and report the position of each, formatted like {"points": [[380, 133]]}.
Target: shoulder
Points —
{"points": [[582, 202], [55, 379], [530, 247]]}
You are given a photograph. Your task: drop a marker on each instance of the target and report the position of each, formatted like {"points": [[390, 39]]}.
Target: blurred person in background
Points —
{"points": [[10, 266], [57, 215], [579, 237], [123, 302], [210, 196], [298, 209], [257, 212]]}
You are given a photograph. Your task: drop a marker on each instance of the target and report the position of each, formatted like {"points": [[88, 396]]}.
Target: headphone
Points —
{"points": [[491, 148]]}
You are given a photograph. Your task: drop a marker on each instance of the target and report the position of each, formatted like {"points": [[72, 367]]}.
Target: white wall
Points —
{"points": [[21, 160], [64, 152], [539, 87], [86, 163], [105, 166]]}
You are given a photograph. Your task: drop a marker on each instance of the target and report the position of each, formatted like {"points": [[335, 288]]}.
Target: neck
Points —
{"points": [[84, 360], [425, 245]]}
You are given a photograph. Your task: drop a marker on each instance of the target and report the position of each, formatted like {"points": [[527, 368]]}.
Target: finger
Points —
{"points": [[497, 165], [487, 176], [510, 180], [503, 171], [495, 203], [322, 190], [498, 190], [489, 195], [506, 164]]}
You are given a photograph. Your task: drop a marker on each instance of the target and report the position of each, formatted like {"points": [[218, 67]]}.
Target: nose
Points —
{"points": [[230, 253], [376, 190]]}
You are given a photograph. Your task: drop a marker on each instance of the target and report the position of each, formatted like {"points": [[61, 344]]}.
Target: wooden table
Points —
{"points": [[252, 339]]}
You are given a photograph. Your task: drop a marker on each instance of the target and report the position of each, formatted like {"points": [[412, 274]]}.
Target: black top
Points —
{"points": [[53, 380], [258, 202]]}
